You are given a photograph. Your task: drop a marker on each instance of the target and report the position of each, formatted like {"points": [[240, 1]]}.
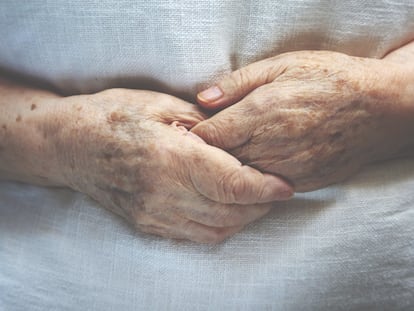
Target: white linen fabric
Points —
{"points": [[346, 247]]}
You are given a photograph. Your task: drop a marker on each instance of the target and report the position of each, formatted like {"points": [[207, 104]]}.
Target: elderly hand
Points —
{"points": [[314, 117], [132, 152]]}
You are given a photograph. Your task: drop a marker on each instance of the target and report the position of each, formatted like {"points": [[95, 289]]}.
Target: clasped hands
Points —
{"points": [[296, 122]]}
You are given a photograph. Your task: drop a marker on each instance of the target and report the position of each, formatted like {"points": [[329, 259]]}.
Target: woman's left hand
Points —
{"points": [[314, 117]]}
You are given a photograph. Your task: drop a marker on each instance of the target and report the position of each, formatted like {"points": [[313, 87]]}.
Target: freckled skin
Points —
{"points": [[316, 117], [143, 161], [132, 152], [117, 116]]}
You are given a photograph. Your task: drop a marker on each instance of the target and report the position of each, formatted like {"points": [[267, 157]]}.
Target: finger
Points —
{"points": [[236, 125], [240, 83], [171, 109], [220, 177], [230, 128], [210, 235], [214, 214], [190, 230]]}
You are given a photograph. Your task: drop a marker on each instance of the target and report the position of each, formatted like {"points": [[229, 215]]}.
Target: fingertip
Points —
{"points": [[276, 189], [249, 186], [209, 96], [214, 99]]}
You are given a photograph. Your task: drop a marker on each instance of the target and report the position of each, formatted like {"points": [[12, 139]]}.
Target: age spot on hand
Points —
{"points": [[19, 118], [33, 107], [340, 84], [117, 117]]}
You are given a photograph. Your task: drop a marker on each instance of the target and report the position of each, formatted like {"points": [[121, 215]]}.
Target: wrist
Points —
{"points": [[395, 87], [27, 121], [406, 102], [55, 152], [71, 127]]}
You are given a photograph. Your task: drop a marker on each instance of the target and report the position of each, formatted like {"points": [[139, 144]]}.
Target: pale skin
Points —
{"points": [[133, 153], [314, 117]]}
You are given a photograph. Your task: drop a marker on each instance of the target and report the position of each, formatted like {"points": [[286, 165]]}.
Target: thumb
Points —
{"points": [[228, 129], [220, 177], [239, 83]]}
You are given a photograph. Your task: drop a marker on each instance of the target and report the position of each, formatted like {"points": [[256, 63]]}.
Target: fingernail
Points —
{"points": [[286, 194], [276, 190], [211, 94]]}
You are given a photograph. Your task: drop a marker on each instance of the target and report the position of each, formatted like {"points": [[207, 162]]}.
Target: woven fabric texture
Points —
{"points": [[346, 247]]}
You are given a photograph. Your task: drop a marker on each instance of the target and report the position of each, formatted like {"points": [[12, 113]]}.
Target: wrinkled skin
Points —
{"points": [[314, 117], [132, 152]]}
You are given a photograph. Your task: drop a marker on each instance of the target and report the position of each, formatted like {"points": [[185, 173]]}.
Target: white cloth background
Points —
{"points": [[347, 247]]}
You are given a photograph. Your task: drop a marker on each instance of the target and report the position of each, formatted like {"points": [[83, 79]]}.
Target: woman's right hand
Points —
{"points": [[133, 153]]}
